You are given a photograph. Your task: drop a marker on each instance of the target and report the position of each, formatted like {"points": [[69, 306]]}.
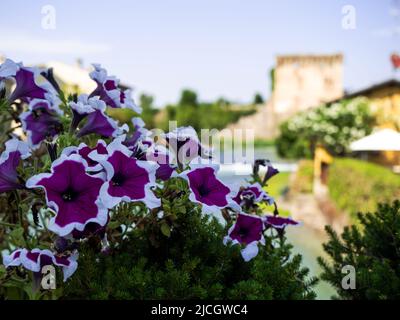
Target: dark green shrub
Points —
{"points": [[373, 249], [203, 115], [192, 263]]}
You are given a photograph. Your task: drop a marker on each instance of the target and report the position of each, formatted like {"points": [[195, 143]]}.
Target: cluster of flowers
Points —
{"points": [[86, 183], [336, 125]]}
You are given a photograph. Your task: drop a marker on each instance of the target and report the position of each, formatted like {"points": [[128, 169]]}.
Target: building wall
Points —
{"points": [[300, 82], [385, 104]]}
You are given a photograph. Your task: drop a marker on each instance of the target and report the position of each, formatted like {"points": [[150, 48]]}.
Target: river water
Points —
{"points": [[305, 240]]}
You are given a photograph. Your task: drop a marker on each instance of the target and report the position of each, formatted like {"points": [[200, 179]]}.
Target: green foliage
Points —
{"points": [[374, 252], [276, 187], [200, 115], [148, 110], [291, 145], [258, 99], [189, 263], [303, 180], [188, 98], [272, 79], [278, 184], [258, 143], [333, 127], [356, 185]]}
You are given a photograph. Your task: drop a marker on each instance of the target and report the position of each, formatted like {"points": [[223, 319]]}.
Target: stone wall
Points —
{"points": [[301, 82]]}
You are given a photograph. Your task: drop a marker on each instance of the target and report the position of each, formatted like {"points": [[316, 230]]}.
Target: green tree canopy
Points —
{"points": [[333, 126], [258, 99], [188, 98], [371, 252], [147, 103]]}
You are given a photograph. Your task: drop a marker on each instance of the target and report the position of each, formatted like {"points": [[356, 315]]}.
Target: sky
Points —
{"points": [[219, 48]]}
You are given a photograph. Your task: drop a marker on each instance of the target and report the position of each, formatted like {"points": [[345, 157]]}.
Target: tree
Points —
{"points": [[188, 98], [202, 115], [332, 126], [371, 251], [148, 113], [258, 99], [272, 79]]}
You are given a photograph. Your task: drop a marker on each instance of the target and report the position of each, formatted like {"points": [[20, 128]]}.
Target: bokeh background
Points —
{"points": [[317, 81]]}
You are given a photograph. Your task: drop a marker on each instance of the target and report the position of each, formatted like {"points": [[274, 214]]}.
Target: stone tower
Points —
{"points": [[304, 81], [300, 82]]}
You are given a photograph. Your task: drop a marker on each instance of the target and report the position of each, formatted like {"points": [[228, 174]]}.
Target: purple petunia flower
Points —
{"points": [[72, 194], [250, 195], [48, 74], [163, 157], [26, 79], [207, 190], [185, 143], [165, 172], [128, 179], [248, 231], [35, 259], [140, 134], [85, 105], [138, 122], [84, 151], [99, 123], [108, 90], [40, 122], [9, 161], [13, 259], [271, 171], [140, 141], [91, 229], [279, 222], [8, 69], [82, 107]]}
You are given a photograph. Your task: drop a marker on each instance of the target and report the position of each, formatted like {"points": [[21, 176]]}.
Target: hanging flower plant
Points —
{"points": [[102, 185]]}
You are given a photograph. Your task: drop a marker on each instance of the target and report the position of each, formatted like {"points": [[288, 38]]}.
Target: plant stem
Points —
{"points": [[6, 224], [18, 202]]}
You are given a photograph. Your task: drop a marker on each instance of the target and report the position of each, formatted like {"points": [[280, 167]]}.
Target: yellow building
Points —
{"points": [[322, 160], [385, 105], [385, 102]]}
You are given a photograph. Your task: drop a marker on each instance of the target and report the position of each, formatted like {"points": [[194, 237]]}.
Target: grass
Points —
{"points": [[276, 186], [358, 186], [303, 181], [278, 183], [263, 143]]}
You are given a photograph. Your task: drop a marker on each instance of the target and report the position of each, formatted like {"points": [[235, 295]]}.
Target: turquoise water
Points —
{"points": [[308, 243]]}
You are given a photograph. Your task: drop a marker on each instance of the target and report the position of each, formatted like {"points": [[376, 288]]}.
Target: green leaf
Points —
{"points": [[165, 229], [2, 271], [17, 237], [181, 210], [3, 105], [114, 224]]}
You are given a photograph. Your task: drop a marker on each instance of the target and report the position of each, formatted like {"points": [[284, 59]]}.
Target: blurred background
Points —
{"points": [[317, 81]]}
